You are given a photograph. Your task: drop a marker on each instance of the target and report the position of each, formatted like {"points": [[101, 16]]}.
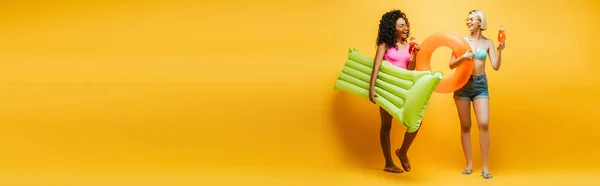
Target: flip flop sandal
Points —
{"points": [[467, 171], [393, 170], [486, 175]]}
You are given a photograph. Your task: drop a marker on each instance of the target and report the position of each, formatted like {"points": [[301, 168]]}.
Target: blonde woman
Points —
{"points": [[476, 89]]}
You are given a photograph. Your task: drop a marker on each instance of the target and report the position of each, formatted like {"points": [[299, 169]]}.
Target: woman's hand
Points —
{"points": [[500, 46], [372, 95], [416, 49], [456, 61], [468, 55]]}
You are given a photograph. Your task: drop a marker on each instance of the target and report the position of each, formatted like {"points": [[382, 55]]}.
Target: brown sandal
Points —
{"points": [[393, 169]]}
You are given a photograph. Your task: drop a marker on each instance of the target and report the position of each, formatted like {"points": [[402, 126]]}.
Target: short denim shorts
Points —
{"points": [[476, 87]]}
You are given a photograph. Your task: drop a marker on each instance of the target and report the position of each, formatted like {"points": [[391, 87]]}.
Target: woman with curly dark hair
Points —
{"points": [[392, 46]]}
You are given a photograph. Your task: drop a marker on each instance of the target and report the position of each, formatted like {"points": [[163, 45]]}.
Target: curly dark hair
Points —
{"points": [[387, 28]]}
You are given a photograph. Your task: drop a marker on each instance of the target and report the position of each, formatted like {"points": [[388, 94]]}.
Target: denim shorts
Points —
{"points": [[476, 87]]}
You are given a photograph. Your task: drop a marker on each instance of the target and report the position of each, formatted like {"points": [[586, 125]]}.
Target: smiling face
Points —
{"points": [[473, 22], [402, 28], [394, 28], [476, 21]]}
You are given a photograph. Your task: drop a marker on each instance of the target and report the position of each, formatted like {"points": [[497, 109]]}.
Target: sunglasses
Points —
{"points": [[472, 19]]}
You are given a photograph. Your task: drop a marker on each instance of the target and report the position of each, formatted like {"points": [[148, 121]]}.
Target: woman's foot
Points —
{"points": [[392, 169], [403, 160], [486, 175], [467, 171]]}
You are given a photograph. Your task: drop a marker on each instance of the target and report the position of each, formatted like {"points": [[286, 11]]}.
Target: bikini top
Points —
{"points": [[480, 54]]}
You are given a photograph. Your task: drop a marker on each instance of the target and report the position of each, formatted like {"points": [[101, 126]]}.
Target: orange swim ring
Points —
{"points": [[459, 46]]}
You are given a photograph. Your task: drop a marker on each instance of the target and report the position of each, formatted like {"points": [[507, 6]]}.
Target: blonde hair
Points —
{"points": [[481, 17]]}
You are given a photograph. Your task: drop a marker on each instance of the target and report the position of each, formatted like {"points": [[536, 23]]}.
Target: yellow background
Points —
{"points": [[248, 85]]}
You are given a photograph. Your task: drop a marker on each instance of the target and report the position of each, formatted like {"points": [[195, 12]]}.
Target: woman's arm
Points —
{"points": [[454, 62], [377, 63], [412, 63], [496, 59]]}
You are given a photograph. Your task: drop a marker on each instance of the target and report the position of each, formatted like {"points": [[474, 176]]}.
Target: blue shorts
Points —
{"points": [[476, 87]]}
